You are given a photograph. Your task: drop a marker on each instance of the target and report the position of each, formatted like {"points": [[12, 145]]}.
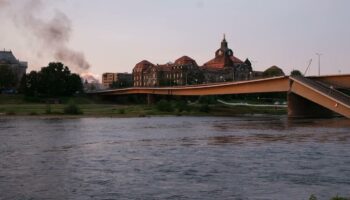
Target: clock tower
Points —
{"points": [[224, 51]]}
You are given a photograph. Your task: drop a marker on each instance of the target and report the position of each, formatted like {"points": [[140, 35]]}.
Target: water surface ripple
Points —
{"points": [[262, 157]]}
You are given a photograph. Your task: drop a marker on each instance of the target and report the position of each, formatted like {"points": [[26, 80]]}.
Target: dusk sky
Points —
{"points": [[114, 35]]}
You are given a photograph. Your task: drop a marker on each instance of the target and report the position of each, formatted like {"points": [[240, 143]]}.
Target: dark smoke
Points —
{"points": [[53, 34]]}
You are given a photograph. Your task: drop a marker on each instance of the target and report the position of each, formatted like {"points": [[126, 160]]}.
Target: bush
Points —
{"points": [[181, 106], [10, 112], [207, 99], [295, 73], [204, 108], [121, 111], [165, 106], [48, 109], [72, 109]]}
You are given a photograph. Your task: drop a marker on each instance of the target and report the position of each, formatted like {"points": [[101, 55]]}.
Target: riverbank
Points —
{"points": [[17, 106]]}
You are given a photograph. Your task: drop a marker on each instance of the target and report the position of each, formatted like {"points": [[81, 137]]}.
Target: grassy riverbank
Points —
{"points": [[16, 105]]}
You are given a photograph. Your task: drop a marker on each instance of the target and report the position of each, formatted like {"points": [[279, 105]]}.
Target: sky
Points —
{"points": [[114, 35]]}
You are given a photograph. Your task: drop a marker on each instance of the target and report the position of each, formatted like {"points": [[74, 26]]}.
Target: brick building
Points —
{"points": [[185, 70]]}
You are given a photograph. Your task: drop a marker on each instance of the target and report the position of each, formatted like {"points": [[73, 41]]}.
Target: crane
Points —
{"points": [[310, 61]]}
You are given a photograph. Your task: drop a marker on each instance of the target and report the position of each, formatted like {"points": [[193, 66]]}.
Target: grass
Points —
{"points": [[18, 105]]}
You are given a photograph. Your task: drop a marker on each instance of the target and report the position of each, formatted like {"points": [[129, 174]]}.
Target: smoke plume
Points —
{"points": [[53, 34]]}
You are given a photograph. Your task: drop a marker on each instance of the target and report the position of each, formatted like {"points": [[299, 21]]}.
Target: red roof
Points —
{"points": [[218, 62], [236, 60], [185, 60], [143, 65]]}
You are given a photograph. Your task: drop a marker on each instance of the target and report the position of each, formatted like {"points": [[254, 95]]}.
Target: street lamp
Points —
{"points": [[319, 63]]}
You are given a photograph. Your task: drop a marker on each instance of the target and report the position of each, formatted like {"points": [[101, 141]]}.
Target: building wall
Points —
{"points": [[109, 78]]}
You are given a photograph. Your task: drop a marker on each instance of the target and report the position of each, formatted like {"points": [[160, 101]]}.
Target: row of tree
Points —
{"points": [[55, 80]]}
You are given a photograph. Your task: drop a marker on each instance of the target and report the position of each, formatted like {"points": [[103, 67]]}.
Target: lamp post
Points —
{"points": [[319, 63]]}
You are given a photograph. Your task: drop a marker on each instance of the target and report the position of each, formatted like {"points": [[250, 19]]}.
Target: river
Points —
{"points": [[253, 157]]}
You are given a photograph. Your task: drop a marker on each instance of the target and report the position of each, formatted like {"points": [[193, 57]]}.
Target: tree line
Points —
{"points": [[54, 80]]}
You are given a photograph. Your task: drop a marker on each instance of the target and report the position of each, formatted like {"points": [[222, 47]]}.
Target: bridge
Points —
{"points": [[307, 96]]}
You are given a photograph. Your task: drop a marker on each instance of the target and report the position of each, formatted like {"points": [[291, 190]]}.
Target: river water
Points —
{"points": [[255, 157]]}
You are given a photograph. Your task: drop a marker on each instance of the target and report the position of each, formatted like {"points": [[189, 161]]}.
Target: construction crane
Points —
{"points": [[310, 61]]}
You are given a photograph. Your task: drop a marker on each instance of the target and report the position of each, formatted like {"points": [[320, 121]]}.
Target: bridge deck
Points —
{"points": [[276, 84], [322, 94]]}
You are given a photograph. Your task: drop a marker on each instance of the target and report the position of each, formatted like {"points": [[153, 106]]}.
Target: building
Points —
{"points": [[226, 67], [121, 79], [19, 68], [185, 70]]}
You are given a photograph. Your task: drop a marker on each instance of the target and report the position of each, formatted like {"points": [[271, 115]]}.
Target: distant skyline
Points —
{"points": [[115, 35]]}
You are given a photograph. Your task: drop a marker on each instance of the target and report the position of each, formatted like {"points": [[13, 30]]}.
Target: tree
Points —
{"points": [[7, 78], [295, 73], [52, 81], [30, 84], [273, 71]]}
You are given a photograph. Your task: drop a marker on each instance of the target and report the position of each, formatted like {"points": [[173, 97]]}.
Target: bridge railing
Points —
{"points": [[329, 90]]}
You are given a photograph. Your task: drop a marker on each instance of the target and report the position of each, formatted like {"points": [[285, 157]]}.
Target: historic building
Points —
{"points": [[226, 67], [121, 78], [182, 72], [185, 70], [19, 68]]}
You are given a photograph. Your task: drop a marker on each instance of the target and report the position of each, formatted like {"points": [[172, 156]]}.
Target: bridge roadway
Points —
{"points": [[306, 95], [267, 85]]}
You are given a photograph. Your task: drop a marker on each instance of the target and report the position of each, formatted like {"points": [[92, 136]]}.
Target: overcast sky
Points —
{"points": [[114, 35]]}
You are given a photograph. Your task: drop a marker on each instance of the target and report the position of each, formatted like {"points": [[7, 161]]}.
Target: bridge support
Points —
{"points": [[301, 107], [151, 99]]}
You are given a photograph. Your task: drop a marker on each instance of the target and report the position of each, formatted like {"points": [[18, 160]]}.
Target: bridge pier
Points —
{"points": [[151, 99], [301, 107]]}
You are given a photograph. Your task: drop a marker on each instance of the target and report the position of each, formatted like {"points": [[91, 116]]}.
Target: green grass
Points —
{"points": [[18, 105]]}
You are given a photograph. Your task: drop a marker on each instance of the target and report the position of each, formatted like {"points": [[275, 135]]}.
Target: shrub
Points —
{"points": [[48, 109], [121, 111], [204, 108], [165, 106], [10, 112], [72, 109], [207, 99], [33, 113], [181, 106], [295, 73]]}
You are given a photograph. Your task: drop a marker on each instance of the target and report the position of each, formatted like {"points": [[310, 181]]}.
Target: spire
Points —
{"points": [[224, 43]]}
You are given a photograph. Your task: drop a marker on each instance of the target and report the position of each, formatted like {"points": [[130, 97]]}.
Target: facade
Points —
{"points": [[185, 70], [122, 78], [19, 68]]}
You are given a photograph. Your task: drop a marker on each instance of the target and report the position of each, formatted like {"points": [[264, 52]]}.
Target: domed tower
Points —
{"points": [[223, 57], [224, 51]]}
